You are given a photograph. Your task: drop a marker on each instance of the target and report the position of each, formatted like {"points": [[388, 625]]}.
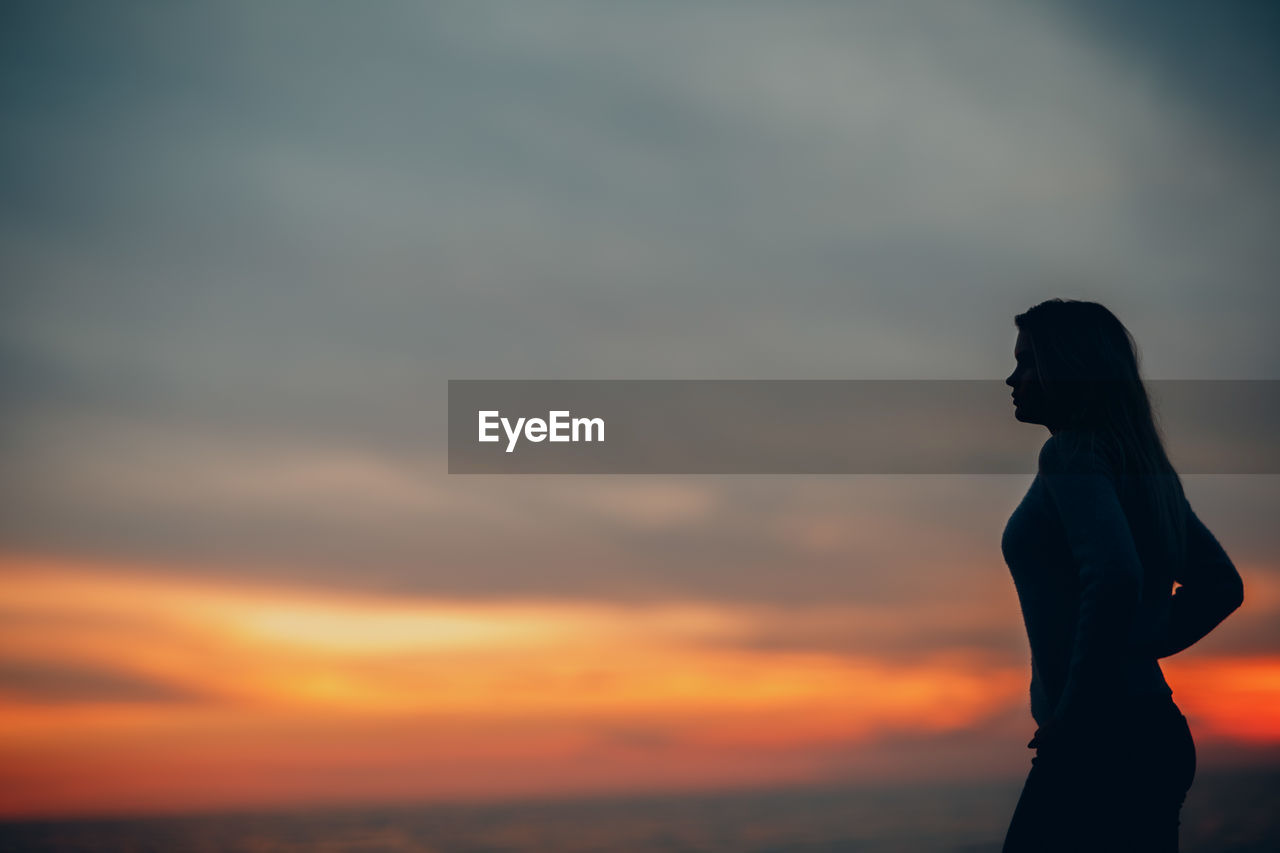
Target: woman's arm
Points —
{"points": [[1082, 488], [1210, 590]]}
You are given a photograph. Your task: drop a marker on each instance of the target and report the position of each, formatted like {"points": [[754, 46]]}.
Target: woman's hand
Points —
{"points": [[1053, 736], [1044, 735]]}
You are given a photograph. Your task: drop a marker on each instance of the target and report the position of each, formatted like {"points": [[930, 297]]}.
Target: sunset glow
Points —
{"points": [[125, 691]]}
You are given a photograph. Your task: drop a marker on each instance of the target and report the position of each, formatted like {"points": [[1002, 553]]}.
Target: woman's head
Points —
{"points": [[1077, 369]]}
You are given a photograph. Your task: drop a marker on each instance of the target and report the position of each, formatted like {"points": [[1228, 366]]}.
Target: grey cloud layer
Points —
{"points": [[246, 245]]}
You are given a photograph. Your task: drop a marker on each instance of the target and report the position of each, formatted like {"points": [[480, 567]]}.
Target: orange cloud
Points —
{"points": [[1233, 698], [124, 691]]}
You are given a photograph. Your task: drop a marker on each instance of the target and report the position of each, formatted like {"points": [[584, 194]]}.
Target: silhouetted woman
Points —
{"points": [[1094, 549]]}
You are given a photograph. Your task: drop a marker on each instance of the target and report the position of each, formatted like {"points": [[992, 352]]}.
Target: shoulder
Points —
{"points": [[1077, 452]]}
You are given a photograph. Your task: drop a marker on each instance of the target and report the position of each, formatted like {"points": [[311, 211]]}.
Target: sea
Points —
{"points": [[1236, 812]]}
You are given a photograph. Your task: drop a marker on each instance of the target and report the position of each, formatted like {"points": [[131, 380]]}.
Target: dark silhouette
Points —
{"points": [[1094, 549]]}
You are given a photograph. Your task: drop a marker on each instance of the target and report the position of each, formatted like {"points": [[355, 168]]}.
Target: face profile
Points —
{"points": [[1029, 398]]}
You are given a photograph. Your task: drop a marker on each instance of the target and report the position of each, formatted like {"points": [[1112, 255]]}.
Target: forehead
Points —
{"points": [[1022, 344]]}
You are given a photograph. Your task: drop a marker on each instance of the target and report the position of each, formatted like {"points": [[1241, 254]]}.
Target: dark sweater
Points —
{"points": [[1095, 581]]}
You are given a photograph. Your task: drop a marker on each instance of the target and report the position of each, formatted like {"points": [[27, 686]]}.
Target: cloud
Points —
{"points": [[248, 245], [44, 682]]}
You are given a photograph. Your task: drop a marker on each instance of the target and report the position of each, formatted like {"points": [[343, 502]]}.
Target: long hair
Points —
{"points": [[1088, 367]]}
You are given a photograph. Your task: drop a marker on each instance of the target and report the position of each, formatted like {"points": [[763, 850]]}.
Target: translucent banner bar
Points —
{"points": [[819, 427]]}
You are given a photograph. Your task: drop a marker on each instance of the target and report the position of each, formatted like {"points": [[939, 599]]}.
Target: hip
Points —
{"points": [[1142, 738]]}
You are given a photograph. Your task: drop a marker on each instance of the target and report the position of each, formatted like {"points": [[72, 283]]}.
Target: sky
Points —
{"points": [[243, 248]]}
